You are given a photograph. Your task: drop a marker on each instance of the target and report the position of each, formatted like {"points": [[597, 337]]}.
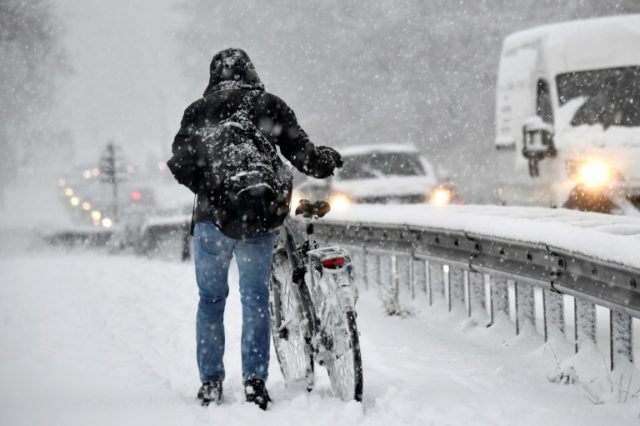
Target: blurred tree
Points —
{"points": [[30, 58], [381, 71]]}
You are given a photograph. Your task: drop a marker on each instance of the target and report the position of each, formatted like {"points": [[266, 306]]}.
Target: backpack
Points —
{"points": [[247, 182]]}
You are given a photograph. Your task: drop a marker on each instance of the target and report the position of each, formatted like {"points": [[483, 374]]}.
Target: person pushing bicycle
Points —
{"points": [[242, 196]]}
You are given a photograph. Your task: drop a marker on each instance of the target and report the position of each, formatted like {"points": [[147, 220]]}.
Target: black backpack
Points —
{"points": [[247, 182]]}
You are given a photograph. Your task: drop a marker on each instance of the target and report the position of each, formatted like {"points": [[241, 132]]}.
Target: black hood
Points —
{"points": [[232, 69]]}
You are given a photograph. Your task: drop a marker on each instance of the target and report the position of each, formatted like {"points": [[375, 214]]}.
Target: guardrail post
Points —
{"points": [[476, 292], [372, 264], [359, 262], [418, 278], [499, 297], [585, 322], [388, 290], [405, 271], [621, 338], [467, 292], [447, 285], [428, 285], [553, 306], [404, 282], [525, 307], [437, 282], [456, 278]]}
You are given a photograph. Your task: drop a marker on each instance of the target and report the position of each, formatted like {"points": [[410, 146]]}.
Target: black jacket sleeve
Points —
{"points": [[184, 163], [281, 126]]}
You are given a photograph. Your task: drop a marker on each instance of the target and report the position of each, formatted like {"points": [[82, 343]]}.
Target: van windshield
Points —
{"points": [[612, 96], [377, 165]]}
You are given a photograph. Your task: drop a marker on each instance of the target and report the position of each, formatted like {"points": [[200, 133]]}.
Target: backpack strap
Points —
{"points": [[192, 225]]}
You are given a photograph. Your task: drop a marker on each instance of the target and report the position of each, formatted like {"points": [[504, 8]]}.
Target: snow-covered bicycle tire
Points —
{"points": [[292, 347], [345, 369]]}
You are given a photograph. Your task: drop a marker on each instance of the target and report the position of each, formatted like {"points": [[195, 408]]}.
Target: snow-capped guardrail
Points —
{"points": [[473, 255]]}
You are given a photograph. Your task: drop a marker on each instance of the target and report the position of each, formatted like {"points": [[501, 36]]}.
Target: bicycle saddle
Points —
{"points": [[310, 210]]}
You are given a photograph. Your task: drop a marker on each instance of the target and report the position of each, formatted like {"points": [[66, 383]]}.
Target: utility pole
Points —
{"points": [[109, 165]]}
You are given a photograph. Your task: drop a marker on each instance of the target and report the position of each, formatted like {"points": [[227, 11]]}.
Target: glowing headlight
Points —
{"points": [[594, 174], [295, 200], [339, 201], [96, 215], [86, 206], [74, 201], [107, 223], [440, 197], [68, 192]]}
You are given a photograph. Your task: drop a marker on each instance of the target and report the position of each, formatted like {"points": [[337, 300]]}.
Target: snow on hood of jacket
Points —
{"points": [[232, 69]]}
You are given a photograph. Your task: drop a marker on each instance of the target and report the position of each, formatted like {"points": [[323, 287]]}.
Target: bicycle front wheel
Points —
{"points": [[289, 328], [344, 363]]}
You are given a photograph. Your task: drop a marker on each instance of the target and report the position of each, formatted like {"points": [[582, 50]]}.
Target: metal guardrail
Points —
{"points": [[466, 267], [157, 237], [475, 271]]}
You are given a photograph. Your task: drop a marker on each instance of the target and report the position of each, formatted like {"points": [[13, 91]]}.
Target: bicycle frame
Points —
{"points": [[330, 271], [313, 309]]}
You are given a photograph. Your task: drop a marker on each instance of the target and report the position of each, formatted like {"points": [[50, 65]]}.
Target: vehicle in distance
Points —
{"points": [[568, 115], [390, 173]]}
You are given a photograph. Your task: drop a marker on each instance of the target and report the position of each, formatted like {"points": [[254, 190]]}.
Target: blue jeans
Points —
{"points": [[213, 253]]}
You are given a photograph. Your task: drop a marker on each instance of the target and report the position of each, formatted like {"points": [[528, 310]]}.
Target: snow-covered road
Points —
{"points": [[91, 339]]}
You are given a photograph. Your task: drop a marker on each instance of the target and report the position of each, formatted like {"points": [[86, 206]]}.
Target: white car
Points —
{"points": [[390, 173]]}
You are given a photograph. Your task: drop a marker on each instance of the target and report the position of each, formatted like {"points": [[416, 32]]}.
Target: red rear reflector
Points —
{"points": [[136, 196], [332, 263]]}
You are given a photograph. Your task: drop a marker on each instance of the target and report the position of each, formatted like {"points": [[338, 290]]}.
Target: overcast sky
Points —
{"points": [[126, 82]]}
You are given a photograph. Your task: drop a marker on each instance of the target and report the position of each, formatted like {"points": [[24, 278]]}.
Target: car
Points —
{"points": [[383, 173]]}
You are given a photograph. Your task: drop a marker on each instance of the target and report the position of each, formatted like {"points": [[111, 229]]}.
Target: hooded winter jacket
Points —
{"points": [[231, 75]]}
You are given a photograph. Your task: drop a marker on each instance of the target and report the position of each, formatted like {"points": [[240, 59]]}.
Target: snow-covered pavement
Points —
{"points": [[102, 340]]}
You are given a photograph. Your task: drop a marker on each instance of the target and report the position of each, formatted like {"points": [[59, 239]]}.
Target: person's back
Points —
{"points": [[232, 79]]}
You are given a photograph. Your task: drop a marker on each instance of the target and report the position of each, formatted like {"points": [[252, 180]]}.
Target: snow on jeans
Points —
{"points": [[213, 253]]}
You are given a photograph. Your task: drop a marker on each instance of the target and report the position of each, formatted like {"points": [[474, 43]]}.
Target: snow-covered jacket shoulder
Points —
{"points": [[270, 114]]}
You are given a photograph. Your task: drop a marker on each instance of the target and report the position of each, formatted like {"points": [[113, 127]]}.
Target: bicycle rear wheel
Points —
{"points": [[289, 327], [344, 364]]}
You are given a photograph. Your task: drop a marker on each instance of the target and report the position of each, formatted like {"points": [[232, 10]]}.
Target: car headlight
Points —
{"points": [[339, 201], [441, 196], [592, 174], [295, 199]]}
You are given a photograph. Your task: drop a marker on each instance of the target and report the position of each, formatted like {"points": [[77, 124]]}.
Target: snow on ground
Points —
{"points": [[87, 338]]}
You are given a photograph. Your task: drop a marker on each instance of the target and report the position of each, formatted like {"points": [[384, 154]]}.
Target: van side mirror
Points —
{"points": [[537, 143]]}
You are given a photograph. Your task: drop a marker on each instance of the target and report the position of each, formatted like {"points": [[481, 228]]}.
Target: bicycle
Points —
{"points": [[312, 307]]}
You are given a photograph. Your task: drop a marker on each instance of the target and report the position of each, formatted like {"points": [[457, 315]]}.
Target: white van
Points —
{"points": [[568, 115]]}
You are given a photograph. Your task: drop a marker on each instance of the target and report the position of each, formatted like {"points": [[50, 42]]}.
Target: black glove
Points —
{"points": [[331, 153]]}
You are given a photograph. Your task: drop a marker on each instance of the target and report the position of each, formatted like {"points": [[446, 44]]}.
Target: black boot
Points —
{"points": [[210, 392], [256, 392]]}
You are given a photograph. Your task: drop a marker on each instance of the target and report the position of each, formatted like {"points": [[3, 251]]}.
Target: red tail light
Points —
{"points": [[334, 262], [136, 196]]}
